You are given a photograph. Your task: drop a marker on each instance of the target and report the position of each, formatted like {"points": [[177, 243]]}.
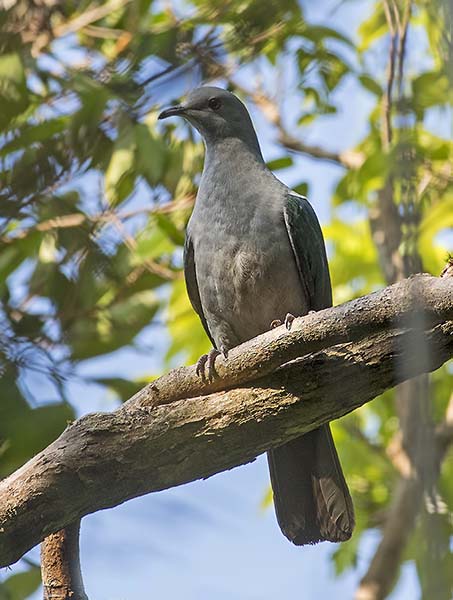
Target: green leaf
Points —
{"points": [[25, 431], [438, 219], [280, 163], [318, 33], [306, 119], [346, 555], [120, 174], [150, 154], [373, 28], [14, 253], [332, 71], [174, 166], [371, 85], [302, 189], [373, 172], [13, 88], [113, 327], [188, 338], [358, 185], [30, 134], [430, 89], [21, 585], [153, 242], [354, 267], [166, 224], [161, 43], [433, 147]]}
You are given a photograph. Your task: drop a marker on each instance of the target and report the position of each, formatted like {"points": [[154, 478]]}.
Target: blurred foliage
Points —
{"points": [[95, 196], [21, 585]]}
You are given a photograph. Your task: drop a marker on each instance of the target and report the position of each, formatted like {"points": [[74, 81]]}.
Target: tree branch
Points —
{"points": [[60, 565], [386, 132], [104, 459], [350, 159], [400, 521], [419, 299]]}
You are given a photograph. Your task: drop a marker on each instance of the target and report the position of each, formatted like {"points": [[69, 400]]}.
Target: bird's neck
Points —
{"points": [[231, 152], [231, 171]]}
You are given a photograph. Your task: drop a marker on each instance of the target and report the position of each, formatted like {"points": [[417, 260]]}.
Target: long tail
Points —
{"points": [[311, 497]]}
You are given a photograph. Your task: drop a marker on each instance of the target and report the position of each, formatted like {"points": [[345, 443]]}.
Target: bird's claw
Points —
{"points": [[206, 362], [201, 363], [289, 321]]}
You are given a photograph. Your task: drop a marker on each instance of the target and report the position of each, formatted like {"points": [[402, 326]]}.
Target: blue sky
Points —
{"points": [[211, 539]]}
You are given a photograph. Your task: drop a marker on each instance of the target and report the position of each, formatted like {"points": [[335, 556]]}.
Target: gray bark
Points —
{"points": [[158, 439]]}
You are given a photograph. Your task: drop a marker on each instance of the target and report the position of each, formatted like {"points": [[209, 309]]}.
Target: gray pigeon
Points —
{"points": [[254, 254]]}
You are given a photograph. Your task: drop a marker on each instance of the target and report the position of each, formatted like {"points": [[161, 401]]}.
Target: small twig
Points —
{"points": [[398, 455], [77, 219], [448, 269], [151, 265], [387, 97], [403, 27], [89, 16], [349, 159]]}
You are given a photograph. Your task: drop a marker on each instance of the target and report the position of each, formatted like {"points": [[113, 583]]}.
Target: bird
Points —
{"points": [[254, 255]]}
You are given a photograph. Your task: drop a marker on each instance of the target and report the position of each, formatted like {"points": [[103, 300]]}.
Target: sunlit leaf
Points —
{"points": [[20, 585], [373, 28], [280, 163], [119, 176], [13, 87], [371, 85]]}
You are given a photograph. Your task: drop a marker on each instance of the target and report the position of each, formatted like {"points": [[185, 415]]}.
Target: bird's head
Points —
{"points": [[216, 114]]}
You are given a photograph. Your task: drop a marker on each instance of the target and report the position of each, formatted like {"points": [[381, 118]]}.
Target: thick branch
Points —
{"points": [[419, 299], [105, 459]]}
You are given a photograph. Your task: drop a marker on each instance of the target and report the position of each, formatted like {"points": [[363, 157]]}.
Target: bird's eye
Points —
{"points": [[214, 103]]}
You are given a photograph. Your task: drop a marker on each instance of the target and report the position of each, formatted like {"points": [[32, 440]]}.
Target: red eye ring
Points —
{"points": [[214, 103]]}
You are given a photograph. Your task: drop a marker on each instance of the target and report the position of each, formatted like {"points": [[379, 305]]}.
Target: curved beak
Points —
{"points": [[172, 112]]}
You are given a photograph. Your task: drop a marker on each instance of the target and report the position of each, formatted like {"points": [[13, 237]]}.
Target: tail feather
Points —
{"points": [[311, 497]]}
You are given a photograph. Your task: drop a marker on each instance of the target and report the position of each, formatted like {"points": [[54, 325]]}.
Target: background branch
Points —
{"points": [[60, 565], [416, 454], [350, 159]]}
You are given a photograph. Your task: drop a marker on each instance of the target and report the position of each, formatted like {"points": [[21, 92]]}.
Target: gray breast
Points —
{"points": [[245, 267]]}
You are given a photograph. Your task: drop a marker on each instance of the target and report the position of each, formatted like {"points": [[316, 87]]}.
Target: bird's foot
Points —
{"points": [[206, 364], [289, 321], [201, 363]]}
